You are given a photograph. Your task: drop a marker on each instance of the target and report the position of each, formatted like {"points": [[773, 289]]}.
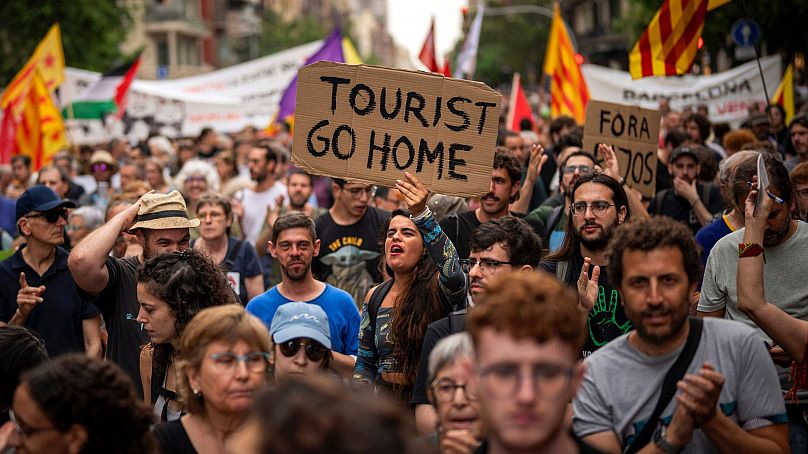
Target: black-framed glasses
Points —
{"points": [[315, 352], [503, 381], [51, 216], [444, 390], [227, 362], [599, 207], [26, 431], [487, 266], [571, 169], [356, 193]]}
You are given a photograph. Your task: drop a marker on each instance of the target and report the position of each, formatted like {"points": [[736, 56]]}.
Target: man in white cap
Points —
{"points": [[302, 340], [160, 222]]}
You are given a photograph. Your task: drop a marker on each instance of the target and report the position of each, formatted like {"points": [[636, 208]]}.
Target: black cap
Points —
{"points": [[40, 198], [683, 151]]}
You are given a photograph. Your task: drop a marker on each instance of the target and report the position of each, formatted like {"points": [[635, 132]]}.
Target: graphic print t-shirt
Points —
{"points": [[349, 254], [607, 320]]}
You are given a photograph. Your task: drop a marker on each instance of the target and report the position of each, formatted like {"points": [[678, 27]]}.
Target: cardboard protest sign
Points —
{"points": [[633, 132], [370, 124]]}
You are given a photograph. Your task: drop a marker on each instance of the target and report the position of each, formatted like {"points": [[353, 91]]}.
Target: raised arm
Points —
{"points": [[537, 160], [612, 169], [788, 332], [87, 261], [452, 280]]}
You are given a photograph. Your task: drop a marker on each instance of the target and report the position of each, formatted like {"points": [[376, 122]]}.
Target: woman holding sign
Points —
{"points": [[427, 283]]}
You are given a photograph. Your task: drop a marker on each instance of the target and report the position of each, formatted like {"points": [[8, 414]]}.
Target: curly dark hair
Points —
{"points": [[97, 395], [504, 159], [20, 350], [187, 282], [318, 415], [415, 309], [650, 234], [517, 237], [702, 123]]}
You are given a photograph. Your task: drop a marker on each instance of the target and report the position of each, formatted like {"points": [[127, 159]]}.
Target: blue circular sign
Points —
{"points": [[745, 32]]}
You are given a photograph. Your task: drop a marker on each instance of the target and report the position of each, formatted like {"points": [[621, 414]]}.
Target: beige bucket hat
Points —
{"points": [[163, 211], [104, 157]]}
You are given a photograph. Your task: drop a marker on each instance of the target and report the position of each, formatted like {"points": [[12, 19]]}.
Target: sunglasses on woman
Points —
{"points": [[315, 352]]}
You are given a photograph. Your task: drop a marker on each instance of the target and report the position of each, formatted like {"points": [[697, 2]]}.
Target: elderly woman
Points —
{"points": [[302, 340], [459, 423], [225, 359], [196, 178], [237, 257], [76, 404], [81, 222], [171, 289]]}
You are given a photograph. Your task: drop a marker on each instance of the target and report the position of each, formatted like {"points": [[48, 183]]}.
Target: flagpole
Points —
{"points": [[757, 59]]}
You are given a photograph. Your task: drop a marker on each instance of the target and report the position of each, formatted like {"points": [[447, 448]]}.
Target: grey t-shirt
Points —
{"points": [[621, 385], [784, 276]]}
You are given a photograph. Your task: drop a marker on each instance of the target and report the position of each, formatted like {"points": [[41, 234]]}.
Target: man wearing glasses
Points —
{"points": [[527, 336], [348, 232], [497, 247], [598, 204], [36, 288]]}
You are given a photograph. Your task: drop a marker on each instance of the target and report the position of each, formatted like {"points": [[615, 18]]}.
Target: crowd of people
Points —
{"points": [[207, 296]]}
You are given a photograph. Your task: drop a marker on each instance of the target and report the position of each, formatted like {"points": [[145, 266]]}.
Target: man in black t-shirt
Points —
{"points": [[504, 190], [349, 235], [599, 204], [688, 201]]}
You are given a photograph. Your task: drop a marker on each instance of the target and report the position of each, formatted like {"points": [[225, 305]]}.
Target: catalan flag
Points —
{"points": [[784, 95], [568, 89], [669, 45], [41, 131]]}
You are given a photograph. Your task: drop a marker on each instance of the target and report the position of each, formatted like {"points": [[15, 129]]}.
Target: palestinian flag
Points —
{"points": [[107, 95]]}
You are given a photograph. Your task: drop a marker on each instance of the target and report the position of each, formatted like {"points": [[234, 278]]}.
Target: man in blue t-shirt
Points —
{"points": [[294, 244]]}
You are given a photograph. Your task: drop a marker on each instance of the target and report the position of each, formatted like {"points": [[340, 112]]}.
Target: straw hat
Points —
{"points": [[163, 211], [103, 157]]}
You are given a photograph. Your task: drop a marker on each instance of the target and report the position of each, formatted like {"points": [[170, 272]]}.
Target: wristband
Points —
{"points": [[749, 250]]}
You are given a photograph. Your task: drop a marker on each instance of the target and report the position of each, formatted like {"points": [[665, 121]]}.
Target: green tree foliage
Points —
{"points": [[92, 32], [278, 35]]}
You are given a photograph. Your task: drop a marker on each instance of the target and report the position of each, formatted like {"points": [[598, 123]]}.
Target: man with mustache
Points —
{"points": [[294, 245], [784, 274], [598, 204], [727, 400], [504, 190]]}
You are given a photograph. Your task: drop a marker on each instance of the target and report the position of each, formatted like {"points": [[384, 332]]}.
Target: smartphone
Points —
{"points": [[762, 182]]}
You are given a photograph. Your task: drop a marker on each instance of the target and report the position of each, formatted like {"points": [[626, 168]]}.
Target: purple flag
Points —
{"points": [[330, 51]]}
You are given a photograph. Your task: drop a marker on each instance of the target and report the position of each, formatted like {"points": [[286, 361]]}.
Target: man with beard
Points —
{"points": [[497, 247], [504, 190], [688, 201], [727, 400], [256, 202], [598, 204], [799, 137], [784, 274], [294, 245], [160, 223]]}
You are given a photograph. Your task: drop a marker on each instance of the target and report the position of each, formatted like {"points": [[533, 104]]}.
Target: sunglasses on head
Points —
{"points": [[314, 352], [50, 216]]}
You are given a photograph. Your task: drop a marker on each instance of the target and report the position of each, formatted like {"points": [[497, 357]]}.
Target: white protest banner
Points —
{"points": [[370, 124], [633, 133], [227, 100], [727, 94]]}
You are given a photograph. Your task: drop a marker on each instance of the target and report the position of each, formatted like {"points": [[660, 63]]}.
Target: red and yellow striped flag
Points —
{"points": [[568, 90], [669, 45], [784, 96], [41, 131]]}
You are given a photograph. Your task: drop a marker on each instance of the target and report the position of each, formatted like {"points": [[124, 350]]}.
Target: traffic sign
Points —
{"points": [[745, 32]]}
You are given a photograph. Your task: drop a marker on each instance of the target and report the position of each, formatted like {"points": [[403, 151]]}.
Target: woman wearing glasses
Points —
{"points": [[172, 289], [196, 178], [460, 426], [427, 283], [225, 360], [302, 340]]}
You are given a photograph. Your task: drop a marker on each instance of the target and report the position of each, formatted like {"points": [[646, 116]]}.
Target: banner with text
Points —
{"points": [[370, 124], [633, 133], [728, 94]]}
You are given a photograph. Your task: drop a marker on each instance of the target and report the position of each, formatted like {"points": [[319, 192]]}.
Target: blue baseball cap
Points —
{"points": [[294, 320], [40, 198]]}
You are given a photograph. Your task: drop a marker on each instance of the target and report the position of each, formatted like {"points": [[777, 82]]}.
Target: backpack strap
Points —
{"points": [[658, 201], [376, 299], [562, 268], [553, 219], [457, 321], [230, 258]]}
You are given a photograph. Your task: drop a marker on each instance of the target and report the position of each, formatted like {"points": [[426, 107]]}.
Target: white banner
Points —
{"points": [[728, 94], [227, 100]]}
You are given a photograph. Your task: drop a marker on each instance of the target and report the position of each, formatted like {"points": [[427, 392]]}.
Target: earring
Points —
{"points": [[196, 392]]}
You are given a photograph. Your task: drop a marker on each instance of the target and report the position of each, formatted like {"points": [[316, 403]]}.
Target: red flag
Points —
{"points": [[519, 108], [447, 71], [427, 55]]}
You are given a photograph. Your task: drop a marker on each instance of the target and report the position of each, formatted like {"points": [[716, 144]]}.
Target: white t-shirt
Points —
{"points": [[255, 208]]}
